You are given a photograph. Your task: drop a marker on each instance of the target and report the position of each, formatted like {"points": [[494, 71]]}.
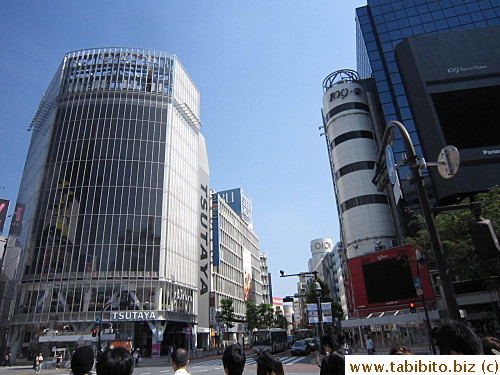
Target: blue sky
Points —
{"points": [[259, 66]]}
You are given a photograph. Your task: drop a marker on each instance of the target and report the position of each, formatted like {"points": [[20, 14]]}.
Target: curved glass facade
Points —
{"points": [[113, 225]]}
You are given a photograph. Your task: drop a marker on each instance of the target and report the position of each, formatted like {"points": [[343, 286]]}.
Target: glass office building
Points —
{"points": [[383, 24], [110, 200]]}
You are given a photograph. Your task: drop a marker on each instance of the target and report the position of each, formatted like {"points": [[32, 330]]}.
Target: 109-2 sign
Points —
{"points": [[341, 94]]}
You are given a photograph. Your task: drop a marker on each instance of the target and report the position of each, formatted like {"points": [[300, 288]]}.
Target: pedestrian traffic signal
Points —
{"points": [[94, 332], [413, 307]]}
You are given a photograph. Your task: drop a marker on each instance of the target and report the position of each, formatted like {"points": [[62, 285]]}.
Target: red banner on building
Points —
{"points": [[4, 206]]}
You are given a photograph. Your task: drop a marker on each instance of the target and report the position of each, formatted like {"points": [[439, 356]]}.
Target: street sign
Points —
{"points": [[390, 163], [98, 321], [417, 282]]}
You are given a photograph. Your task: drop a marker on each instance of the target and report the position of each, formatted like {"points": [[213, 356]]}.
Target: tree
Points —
{"points": [[266, 313], [311, 297], [227, 313], [279, 319], [311, 294], [253, 317], [462, 260]]}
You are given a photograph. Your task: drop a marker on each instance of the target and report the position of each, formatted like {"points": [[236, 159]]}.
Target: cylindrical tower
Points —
{"points": [[364, 212], [111, 189], [319, 248]]}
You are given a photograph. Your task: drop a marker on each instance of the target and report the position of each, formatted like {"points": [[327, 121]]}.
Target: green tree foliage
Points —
{"points": [[227, 312], [325, 292], [253, 318], [279, 319], [266, 314], [311, 297], [461, 257]]}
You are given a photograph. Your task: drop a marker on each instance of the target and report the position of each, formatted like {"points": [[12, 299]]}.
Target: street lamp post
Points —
{"points": [[418, 179], [317, 292]]}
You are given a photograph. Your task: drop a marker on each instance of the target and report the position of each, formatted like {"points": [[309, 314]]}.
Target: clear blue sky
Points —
{"points": [[259, 66]]}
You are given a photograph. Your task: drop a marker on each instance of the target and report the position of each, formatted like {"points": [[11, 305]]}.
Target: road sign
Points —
{"points": [[98, 321], [417, 282], [390, 163]]}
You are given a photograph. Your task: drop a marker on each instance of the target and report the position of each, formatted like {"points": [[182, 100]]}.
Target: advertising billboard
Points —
{"points": [[247, 275], [387, 278], [4, 206], [16, 225], [452, 81]]}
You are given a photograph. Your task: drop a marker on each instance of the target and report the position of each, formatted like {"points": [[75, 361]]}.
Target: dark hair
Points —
{"points": [[233, 359], [400, 350], [117, 361], [455, 337], [490, 343], [331, 341], [82, 360], [180, 357], [267, 363]]}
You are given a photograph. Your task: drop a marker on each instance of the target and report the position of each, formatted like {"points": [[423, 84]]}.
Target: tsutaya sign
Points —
{"points": [[133, 315]]}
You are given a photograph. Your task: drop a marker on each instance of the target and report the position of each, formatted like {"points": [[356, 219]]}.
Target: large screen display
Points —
{"points": [[469, 118], [388, 280]]}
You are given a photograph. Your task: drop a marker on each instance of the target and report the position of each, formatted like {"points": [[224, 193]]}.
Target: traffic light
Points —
{"points": [[413, 307], [94, 332], [484, 239]]}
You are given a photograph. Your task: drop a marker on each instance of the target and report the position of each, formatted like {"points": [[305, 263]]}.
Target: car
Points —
{"points": [[313, 345], [300, 348]]}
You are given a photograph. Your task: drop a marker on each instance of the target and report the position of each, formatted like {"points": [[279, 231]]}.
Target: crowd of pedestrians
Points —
{"points": [[451, 339]]}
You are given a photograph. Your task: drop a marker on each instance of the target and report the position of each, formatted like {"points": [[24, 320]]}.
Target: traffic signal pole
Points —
{"points": [[418, 179], [99, 349]]}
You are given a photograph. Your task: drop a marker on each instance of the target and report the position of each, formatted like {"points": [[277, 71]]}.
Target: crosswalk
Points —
{"points": [[251, 361]]}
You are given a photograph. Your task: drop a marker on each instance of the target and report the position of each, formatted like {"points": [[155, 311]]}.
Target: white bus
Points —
{"points": [[269, 340]]}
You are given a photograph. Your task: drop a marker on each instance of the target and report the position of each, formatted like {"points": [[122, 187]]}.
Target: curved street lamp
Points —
{"points": [[317, 292]]}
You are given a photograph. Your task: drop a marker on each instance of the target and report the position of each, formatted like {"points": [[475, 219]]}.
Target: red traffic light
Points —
{"points": [[94, 332], [413, 307]]}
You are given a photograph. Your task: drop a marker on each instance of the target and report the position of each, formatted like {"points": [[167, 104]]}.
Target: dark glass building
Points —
{"points": [[381, 26], [110, 194]]}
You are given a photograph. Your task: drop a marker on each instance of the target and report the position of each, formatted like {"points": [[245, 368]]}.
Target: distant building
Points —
{"points": [[265, 279], [237, 261]]}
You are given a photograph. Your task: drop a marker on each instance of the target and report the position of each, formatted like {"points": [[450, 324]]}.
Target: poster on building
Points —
{"points": [[4, 206], [16, 225], [247, 275], [312, 313]]}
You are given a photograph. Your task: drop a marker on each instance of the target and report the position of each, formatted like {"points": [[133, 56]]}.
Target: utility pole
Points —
{"points": [[418, 179]]}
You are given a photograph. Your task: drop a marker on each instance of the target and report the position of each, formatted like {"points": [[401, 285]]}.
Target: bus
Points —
{"points": [[269, 340], [301, 334]]}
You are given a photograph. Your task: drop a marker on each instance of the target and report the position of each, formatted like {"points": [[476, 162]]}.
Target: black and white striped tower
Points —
{"points": [[364, 213]]}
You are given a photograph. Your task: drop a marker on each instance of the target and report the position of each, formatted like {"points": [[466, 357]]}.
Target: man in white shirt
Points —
{"points": [[370, 345], [180, 359]]}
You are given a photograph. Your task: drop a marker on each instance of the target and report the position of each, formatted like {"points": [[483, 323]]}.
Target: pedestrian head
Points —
{"points": [[456, 338], [180, 358], [400, 350], [117, 361], [331, 343], [82, 360], [267, 364], [233, 360]]}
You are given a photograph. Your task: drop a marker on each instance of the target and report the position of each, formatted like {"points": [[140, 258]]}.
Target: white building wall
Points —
{"points": [[365, 217]]}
